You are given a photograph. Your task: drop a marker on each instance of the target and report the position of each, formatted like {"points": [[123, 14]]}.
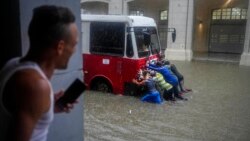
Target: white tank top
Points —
{"points": [[41, 128]]}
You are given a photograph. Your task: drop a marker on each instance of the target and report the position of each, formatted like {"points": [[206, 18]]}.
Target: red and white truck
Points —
{"points": [[115, 48]]}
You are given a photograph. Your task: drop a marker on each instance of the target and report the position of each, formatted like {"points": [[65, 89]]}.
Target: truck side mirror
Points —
{"points": [[174, 35], [147, 39]]}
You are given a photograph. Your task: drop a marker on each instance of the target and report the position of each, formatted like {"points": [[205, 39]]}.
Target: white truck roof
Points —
{"points": [[142, 21], [132, 20]]}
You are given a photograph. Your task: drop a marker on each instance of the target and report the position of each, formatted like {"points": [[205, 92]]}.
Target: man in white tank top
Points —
{"points": [[26, 97]]}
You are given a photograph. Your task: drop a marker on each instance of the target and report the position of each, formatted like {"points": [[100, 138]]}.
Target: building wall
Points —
{"points": [[245, 57], [203, 13], [201, 27], [149, 9], [115, 7], [122, 7], [94, 8], [65, 127], [191, 18]]}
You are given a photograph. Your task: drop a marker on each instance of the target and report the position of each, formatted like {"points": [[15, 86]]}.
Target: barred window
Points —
{"points": [[226, 13], [164, 15], [229, 14], [217, 14]]}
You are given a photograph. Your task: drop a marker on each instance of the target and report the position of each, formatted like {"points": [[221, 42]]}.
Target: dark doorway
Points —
{"points": [[10, 32]]}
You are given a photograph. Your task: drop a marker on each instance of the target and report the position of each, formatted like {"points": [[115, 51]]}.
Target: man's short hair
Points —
{"points": [[145, 72], [49, 25], [165, 62], [158, 63]]}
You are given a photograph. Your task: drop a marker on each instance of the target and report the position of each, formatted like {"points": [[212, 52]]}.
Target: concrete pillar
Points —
{"points": [[245, 57], [180, 18], [116, 7], [125, 7]]}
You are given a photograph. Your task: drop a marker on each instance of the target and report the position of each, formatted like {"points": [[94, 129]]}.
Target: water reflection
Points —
{"points": [[217, 109]]}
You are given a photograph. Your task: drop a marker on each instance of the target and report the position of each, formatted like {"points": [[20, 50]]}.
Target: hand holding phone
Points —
{"points": [[72, 93]]}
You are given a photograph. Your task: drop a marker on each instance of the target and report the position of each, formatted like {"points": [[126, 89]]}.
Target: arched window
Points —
{"points": [[229, 14]]}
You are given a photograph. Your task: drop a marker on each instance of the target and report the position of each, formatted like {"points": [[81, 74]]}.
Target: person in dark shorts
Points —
{"points": [[180, 77]]}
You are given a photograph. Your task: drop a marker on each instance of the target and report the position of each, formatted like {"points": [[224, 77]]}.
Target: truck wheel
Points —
{"points": [[102, 86]]}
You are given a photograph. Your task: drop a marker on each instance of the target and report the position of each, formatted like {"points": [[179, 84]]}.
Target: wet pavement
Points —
{"points": [[218, 109]]}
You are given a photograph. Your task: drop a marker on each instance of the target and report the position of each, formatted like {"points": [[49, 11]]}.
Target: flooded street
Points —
{"points": [[218, 109]]}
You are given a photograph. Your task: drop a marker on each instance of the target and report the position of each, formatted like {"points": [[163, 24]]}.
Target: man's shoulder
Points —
{"points": [[28, 88], [27, 74], [30, 80]]}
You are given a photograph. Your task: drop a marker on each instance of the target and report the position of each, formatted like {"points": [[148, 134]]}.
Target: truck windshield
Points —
{"points": [[153, 48]]}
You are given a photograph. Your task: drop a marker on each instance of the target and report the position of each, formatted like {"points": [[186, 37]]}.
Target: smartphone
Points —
{"points": [[72, 93]]}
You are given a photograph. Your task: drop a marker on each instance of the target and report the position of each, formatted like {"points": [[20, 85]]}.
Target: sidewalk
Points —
{"points": [[217, 57]]}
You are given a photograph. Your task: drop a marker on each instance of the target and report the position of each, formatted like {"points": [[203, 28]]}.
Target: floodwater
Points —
{"points": [[218, 109]]}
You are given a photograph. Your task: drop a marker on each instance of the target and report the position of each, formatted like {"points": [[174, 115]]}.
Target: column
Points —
{"points": [[245, 56], [180, 18], [116, 7], [126, 7]]}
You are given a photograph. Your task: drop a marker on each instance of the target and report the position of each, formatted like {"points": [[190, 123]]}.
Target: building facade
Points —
{"points": [[202, 26]]}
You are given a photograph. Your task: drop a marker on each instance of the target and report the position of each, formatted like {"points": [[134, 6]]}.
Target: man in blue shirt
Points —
{"points": [[168, 76]]}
